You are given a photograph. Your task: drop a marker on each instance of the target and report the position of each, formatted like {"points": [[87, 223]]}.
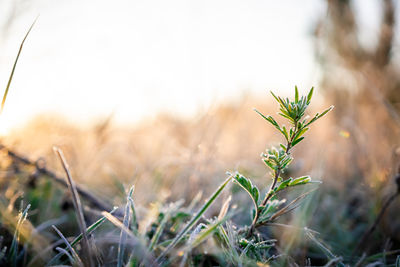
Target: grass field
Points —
{"points": [[162, 172], [261, 181]]}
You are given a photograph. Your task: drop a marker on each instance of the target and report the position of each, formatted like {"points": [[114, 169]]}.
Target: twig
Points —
{"points": [[89, 197], [286, 209]]}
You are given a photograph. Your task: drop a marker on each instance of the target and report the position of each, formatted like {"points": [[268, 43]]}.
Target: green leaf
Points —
{"points": [[300, 125], [204, 234], [309, 96], [277, 99], [282, 146], [90, 229], [297, 141], [256, 193], [271, 207], [313, 119], [270, 164], [247, 185], [285, 162], [326, 111], [284, 184], [270, 120], [286, 116], [300, 133], [300, 180], [296, 95], [262, 115], [275, 124], [285, 133], [318, 116], [250, 245], [159, 230]]}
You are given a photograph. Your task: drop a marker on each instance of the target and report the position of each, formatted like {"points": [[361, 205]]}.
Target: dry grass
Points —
{"points": [[169, 158]]}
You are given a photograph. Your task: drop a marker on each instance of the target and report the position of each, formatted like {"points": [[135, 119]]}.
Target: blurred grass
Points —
{"points": [[169, 158]]}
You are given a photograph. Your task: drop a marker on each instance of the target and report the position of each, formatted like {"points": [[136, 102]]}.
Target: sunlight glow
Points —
{"points": [[137, 58]]}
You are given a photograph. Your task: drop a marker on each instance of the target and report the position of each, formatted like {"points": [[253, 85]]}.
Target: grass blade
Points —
{"points": [[192, 237], [147, 257], [14, 244], [203, 235], [117, 223], [14, 67], [65, 252], [123, 235], [231, 252], [134, 221], [77, 205], [159, 231], [89, 230], [195, 219], [74, 254]]}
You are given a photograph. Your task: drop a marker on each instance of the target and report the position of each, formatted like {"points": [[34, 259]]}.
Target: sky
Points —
{"points": [[88, 59]]}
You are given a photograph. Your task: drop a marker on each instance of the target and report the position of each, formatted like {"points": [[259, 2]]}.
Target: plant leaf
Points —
{"points": [[283, 185], [300, 180], [297, 141], [309, 96], [248, 186], [194, 220]]}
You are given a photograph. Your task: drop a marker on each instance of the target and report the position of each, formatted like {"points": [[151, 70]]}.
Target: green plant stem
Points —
{"points": [[272, 188], [264, 202]]}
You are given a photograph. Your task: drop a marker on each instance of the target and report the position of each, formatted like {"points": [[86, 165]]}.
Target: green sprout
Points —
{"points": [[278, 159]]}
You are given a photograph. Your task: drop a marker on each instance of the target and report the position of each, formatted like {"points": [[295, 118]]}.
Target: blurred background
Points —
{"points": [[160, 94], [134, 59]]}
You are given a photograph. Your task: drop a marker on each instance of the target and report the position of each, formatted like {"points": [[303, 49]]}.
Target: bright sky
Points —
{"points": [[135, 58]]}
